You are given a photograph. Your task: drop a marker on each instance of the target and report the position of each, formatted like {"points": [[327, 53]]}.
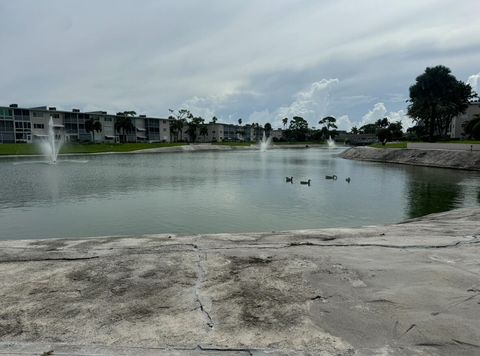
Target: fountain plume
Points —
{"points": [[265, 143], [50, 147], [331, 142]]}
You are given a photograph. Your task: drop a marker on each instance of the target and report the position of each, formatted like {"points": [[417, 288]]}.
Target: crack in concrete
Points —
{"points": [[220, 349], [51, 259], [408, 330], [201, 273], [473, 241]]}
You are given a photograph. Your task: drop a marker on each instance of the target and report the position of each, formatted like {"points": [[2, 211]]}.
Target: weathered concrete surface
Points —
{"points": [[430, 158], [405, 289]]}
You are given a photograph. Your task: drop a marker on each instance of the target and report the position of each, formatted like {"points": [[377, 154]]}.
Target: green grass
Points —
{"points": [[32, 149], [404, 144], [233, 144], [300, 142], [390, 145], [469, 142]]}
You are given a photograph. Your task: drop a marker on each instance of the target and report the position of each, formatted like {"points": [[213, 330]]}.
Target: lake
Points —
{"points": [[221, 191]]}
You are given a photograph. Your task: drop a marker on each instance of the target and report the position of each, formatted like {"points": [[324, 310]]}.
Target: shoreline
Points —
{"points": [[388, 289], [435, 158], [178, 149]]}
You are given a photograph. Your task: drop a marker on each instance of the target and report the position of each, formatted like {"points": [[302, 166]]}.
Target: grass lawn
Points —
{"points": [[390, 145], [469, 142], [233, 144], [404, 144], [300, 143], [32, 149]]}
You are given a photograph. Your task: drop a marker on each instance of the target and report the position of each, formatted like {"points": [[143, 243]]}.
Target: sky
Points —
{"points": [[258, 60]]}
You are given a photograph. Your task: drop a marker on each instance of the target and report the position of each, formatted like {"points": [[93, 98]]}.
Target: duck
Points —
{"points": [[289, 179], [334, 177], [305, 182], [348, 180]]}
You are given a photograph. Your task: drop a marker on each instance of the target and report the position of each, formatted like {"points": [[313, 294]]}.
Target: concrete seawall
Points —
{"points": [[468, 160], [403, 289]]}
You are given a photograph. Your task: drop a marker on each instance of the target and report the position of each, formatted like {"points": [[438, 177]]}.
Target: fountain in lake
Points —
{"points": [[51, 146], [331, 142], [265, 143]]}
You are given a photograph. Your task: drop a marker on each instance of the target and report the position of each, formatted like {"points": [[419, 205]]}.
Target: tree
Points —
{"points": [[203, 131], [214, 119], [395, 129], [383, 123], [368, 129], [436, 97], [192, 126], [179, 120], [93, 126], [124, 124], [383, 135], [354, 130], [298, 128], [328, 123], [472, 128], [240, 122], [268, 129], [285, 122]]}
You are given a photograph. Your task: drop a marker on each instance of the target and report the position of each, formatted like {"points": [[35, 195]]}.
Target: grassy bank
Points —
{"points": [[234, 144], [404, 144], [32, 149], [390, 145]]}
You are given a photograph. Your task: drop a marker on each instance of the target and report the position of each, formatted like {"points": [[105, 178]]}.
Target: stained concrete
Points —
{"points": [[405, 289], [468, 160]]}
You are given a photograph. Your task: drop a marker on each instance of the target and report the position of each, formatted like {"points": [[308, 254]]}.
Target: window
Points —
{"points": [[38, 126], [56, 116], [37, 114]]}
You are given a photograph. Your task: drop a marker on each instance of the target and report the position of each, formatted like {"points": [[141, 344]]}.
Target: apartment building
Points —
{"points": [[26, 125], [457, 126]]}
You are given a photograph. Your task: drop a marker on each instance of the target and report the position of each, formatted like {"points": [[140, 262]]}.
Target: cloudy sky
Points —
{"points": [[259, 60]]}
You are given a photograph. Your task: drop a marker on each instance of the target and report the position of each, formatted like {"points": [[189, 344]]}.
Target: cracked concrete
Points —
{"points": [[409, 288]]}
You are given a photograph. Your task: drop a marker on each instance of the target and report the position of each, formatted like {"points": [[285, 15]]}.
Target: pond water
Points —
{"points": [[209, 192]]}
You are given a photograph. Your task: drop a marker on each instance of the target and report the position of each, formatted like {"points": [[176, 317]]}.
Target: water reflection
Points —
{"points": [[433, 191], [208, 192]]}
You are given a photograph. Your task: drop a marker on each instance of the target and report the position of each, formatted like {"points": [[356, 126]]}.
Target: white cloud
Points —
{"points": [[379, 111], [474, 81], [344, 123], [311, 104]]}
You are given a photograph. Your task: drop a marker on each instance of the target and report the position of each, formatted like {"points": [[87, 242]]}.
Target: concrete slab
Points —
{"points": [[410, 288]]}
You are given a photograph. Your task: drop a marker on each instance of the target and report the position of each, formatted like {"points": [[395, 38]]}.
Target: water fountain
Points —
{"points": [[265, 143], [331, 142], [50, 147]]}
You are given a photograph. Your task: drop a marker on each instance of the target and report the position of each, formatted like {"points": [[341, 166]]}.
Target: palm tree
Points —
{"points": [[91, 126], [240, 122], [203, 131], [285, 122], [124, 124], [214, 119]]}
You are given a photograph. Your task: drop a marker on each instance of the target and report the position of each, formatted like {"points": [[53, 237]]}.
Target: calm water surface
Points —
{"points": [[208, 192]]}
